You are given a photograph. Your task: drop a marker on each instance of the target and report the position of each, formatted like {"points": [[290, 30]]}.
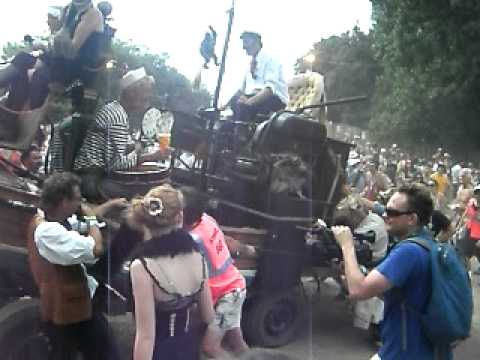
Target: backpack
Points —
{"points": [[448, 314]]}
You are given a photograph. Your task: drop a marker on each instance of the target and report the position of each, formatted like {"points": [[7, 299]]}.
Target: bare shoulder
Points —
{"points": [[137, 268]]}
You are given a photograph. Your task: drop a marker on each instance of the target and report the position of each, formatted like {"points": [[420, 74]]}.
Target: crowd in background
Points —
{"points": [[372, 171]]}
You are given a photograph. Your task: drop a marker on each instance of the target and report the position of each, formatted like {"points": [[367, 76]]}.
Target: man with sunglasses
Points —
{"points": [[402, 277]]}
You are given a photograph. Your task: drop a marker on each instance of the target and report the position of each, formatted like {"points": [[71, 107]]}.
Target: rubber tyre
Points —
{"points": [[21, 335], [273, 320]]}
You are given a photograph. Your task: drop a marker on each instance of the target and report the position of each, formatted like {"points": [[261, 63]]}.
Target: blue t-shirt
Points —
{"points": [[406, 267]]}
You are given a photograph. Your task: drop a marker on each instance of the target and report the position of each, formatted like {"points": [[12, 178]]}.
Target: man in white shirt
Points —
{"points": [[264, 88], [57, 257]]}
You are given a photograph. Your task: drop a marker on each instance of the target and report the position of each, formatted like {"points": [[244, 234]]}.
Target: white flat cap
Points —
{"points": [[55, 11], [132, 77]]}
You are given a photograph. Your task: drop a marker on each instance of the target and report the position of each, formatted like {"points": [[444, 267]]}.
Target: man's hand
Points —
{"points": [[343, 235], [86, 210]]}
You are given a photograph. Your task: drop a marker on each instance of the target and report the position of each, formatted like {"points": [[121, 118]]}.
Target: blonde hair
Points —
{"points": [[159, 208]]}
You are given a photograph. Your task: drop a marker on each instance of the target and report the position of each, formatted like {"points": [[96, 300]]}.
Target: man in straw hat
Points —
{"points": [[106, 145]]}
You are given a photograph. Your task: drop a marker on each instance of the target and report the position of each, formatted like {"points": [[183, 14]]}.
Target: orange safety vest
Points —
{"points": [[223, 276]]}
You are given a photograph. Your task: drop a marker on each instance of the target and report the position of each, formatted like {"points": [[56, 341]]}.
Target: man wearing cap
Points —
{"points": [[105, 148], [264, 88]]}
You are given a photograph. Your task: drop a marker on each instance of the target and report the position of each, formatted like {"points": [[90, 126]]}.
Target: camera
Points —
{"points": [[324, 248]]}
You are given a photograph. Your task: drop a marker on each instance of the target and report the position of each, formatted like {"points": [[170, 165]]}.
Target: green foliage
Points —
{"points": [[172, 90], [348, 63], [430, 53]]}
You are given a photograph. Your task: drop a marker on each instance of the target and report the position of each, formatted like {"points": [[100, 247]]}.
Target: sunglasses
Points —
{"points": [[394, 213]]}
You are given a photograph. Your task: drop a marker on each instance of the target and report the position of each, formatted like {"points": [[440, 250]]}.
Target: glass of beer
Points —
{"points": [[163, 140]]}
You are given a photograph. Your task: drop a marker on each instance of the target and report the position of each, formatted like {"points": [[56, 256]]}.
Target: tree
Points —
{"points": [[430, 53], [350, 69]]}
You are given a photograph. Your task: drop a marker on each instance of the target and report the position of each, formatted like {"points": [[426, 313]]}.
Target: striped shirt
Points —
{"points": [[105, 145]]}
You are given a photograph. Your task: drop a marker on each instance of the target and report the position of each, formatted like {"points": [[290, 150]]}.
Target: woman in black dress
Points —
{"points": [[168, 277]]}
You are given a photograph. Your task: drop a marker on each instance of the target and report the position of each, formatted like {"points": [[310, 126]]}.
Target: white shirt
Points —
{"points": [[455, 172], [63, 247], [269, 73], [375, 223]]}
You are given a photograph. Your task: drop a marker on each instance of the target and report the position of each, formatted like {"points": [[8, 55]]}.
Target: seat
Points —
{"points": [[308, 89]]}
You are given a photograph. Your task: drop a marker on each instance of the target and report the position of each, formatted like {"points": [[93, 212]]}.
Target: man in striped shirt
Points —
{"points": [[105, 148]]}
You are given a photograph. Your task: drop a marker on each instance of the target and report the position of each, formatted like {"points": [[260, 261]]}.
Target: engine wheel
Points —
{"points": [[21, 334], [273, 321]]}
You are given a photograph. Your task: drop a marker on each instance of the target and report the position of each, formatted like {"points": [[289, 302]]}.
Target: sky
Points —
{"points": [[289, 28]]}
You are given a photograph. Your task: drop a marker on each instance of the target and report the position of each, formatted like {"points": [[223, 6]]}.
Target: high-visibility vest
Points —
{"points": [[224, 277]]}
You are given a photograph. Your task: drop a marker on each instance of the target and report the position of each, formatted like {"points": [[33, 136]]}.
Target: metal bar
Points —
{"points": [[265, 215], [332, 102]]}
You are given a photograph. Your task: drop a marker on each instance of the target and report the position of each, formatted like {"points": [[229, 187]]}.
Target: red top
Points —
{"points": [[473, 219]]}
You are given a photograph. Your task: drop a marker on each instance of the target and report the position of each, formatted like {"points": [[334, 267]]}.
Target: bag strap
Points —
{"points": [[400, 295], [424, 243]]}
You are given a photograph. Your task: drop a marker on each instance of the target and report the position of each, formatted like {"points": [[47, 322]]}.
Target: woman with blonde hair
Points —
{"points": [[168, 277]]}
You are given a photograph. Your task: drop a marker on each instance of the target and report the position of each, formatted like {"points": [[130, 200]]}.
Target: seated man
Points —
{"points": [[26, 79], [77, 52], [264, 88], [106, 144]]}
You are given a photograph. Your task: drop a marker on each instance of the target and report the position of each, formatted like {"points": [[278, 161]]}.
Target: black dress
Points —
{"points": [[177, 336]]}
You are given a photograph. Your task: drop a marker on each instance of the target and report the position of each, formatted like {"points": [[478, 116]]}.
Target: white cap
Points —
{"points": [[353, 161], [55, 11], [133, 77], [476, 188]]}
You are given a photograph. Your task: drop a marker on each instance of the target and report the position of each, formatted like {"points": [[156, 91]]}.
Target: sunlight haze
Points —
{"points": [[288, 28]]}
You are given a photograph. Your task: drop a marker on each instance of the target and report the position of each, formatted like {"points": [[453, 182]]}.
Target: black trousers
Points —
{"points": [[92, 338], [244, 112]]}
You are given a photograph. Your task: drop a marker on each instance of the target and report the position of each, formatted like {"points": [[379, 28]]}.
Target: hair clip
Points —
{"points": [[154, 206]]}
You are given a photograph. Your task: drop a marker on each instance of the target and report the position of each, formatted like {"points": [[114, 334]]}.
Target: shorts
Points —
{"points": [[228, 310]]}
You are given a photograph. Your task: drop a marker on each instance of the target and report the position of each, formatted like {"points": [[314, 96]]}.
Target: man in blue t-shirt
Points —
{"points": [[403, 278]]}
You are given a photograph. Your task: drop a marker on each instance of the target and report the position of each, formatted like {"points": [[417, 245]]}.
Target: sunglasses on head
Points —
{"points": [[394, 213]]}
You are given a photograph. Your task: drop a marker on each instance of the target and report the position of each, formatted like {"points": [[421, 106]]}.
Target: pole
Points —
{"points": [[221, 71], [210, 161]]}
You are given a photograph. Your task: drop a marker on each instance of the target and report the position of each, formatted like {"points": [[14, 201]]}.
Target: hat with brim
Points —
{"points": [[55, 11], [132, 77], [250, 34]]}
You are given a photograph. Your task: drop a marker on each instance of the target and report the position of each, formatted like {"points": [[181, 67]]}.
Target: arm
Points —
{"points": [[239, 249], [360, 287], [91, 22], [260, 97], [59, 246], [207, 313], [106, 207], [144, 312]]}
